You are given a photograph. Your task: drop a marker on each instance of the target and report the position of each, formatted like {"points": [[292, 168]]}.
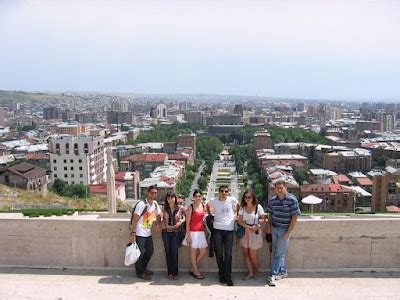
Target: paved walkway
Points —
{"points": [[80, 284]]}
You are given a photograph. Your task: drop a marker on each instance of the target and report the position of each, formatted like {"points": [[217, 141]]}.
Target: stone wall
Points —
{"points": [[358, 244]]}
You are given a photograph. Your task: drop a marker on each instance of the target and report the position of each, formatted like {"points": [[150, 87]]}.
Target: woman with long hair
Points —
{"points": [[173, 217], [250, 213], [195, 235]]}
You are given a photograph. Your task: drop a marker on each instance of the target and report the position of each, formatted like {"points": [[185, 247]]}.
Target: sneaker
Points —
{"points": [[222, 279], [271, 281], [148, 272], [281, 276], [229, 282], [144, 276]]}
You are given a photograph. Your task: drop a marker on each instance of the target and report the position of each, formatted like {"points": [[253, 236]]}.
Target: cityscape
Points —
{"points": [[345, 153], [191, 149]]}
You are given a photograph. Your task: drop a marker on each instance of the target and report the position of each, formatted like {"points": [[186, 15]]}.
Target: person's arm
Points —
{"points": [[208, 208], [158, 218], [188, 218], [135, 219], [292, 223], [181, 220]]}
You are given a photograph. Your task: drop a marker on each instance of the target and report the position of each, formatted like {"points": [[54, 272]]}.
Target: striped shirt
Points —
{"points": [[283, 210]]}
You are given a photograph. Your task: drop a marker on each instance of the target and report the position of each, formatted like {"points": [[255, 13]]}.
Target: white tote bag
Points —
{"points": [[132, 253]]}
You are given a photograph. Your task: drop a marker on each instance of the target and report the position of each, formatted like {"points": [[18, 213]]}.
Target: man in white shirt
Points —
{"points": [[146, 212], [223, 207]]}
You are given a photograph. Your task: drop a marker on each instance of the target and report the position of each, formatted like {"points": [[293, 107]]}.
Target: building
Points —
{"points": [[224, 120], [385, 189], [131, 181], [2, 117], [86, 117], [144, 163], [194, 117], [187, 140], [117, 117], [52, 112], [297, 162], [238, 110], [25, 176], [73, 129], [262, 140], [318, 175], [347, 161], [101, 189], [120, 105], [77, 159], [159, 112], [335, 197]]}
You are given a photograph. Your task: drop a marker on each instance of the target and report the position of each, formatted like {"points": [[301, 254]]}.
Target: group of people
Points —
{"points": [[283, 210]]}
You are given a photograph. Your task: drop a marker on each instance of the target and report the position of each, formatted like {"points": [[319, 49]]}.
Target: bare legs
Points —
{"points": [[195, 259], [251, 260]]}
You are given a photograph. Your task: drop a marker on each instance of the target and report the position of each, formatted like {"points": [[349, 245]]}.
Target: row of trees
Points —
{"points": [[208, 149], [166, 133], [294, 135], [184, 185], [62, 188]]}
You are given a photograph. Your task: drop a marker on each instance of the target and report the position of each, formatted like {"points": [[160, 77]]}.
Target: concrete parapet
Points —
{"points": [[351, 244]]}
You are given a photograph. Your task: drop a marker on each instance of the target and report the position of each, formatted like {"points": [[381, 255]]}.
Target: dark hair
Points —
{"points": [[224, 186], [197, 192], [166, 205], [243, 202], [279, 182], [152, 187]]}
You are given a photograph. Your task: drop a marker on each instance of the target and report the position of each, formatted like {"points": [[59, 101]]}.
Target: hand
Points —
{"points": [[188, 239], [286, 235], [158, 228], [132, 239]]}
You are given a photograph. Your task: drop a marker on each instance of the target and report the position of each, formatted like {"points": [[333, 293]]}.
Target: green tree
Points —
{"points": [[59, 186]]}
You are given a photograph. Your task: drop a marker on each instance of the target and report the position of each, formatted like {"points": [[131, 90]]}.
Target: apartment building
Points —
{"points": [[347, 161], [385, 189], [262, 140], [77, 159]]}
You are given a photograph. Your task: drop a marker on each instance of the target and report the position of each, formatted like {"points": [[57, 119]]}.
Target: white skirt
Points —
{"points": [[198, 240]]}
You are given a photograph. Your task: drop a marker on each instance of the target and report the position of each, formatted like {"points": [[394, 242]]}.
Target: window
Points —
{"points": [[65, 161], [65, 175], [80, 161], [55, 168], [65, 168], [58, 148], [72, 175], [54, 161], [71, 161], [80, 175], [55, 175], [72, 182], [80, 168], [81, 182], [86, 148], [76, 148], [72, 168]]}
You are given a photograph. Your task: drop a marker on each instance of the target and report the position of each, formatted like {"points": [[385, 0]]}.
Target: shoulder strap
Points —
{"points": [[256, 215], [133, 211]]}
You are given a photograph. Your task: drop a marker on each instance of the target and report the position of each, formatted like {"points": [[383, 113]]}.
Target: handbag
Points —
{"points": [[182, 233], [239, 231], [132, 253]]}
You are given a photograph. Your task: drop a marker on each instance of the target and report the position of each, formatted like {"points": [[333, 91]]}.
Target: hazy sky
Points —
{"points": [[310, 49]]}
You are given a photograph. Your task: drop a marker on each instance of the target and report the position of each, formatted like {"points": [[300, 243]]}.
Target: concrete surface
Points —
{"points": [[367, 244], [81, 284]]}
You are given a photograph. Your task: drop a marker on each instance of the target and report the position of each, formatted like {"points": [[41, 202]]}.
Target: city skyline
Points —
{"points": [[309, 50]]}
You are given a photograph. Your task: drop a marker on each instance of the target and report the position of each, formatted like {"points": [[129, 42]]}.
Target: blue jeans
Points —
{"points": [[146, 252], [223, 241], [171, 245], [279, 250]]}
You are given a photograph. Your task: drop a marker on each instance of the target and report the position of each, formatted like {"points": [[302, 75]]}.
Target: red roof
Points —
{"points": [[363, 181], [324, 188], [102, 188], [148, 157], [26, 170], [341, 178], [43, 156]]}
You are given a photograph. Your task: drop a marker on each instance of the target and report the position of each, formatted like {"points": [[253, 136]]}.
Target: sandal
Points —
{"points": [[200, 276]]}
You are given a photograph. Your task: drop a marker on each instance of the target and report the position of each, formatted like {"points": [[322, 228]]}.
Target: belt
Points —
{"points": [[170, 230]]}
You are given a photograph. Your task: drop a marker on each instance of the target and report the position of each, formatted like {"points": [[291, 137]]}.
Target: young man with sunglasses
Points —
{"points": [[145, 214], [223, 207]]}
